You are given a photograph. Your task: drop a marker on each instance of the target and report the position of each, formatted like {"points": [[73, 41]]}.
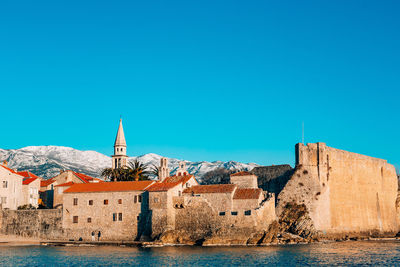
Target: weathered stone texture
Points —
{"points": [[45, 224], [343, 192], [104, 217]]}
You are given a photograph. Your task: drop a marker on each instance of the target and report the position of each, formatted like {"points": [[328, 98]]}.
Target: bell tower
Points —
{"points": [[119, 159], [164, 170]]}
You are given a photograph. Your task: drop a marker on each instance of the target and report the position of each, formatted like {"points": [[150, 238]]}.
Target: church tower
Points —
{"points": [[119, 159], [163, 172]]}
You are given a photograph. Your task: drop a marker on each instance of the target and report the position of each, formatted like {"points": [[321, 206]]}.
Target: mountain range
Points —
{"points": [[47, 161]]}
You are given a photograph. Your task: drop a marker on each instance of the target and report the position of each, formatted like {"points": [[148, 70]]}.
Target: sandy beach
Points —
{"points": [[9, 240]]}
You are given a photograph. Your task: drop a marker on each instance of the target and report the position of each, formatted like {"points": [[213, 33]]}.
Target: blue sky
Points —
{"points": [[204, 80]]}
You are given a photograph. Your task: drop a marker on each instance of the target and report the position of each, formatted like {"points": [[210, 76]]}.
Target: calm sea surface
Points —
{"points": [[343, 253]]}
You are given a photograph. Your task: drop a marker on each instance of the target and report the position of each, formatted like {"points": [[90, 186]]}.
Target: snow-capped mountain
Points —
{"points": [[47, 161]]}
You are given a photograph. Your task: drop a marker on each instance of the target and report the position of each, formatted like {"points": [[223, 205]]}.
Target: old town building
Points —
{"points": [[116, 209], [11, 194]]}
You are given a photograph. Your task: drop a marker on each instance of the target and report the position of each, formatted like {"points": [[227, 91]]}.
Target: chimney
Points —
{"points": [[5, 163]]}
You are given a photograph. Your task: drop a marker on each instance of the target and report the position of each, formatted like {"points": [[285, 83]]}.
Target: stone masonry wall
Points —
{"points": [[344, 192], [44, 224]]}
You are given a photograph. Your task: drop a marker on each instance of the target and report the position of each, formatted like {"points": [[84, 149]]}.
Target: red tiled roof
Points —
{"points": [[109, 187], [247, 193], [178, 178], [10, 170], [214, 188], [46, 182], [66, 184], [27, 181], [85, 178], [243, 173], [28, 174], [162, 186]]}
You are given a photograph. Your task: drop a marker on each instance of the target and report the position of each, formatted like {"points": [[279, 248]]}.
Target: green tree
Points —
{"points": [[112, 174], [154, 171], [137, 171]]}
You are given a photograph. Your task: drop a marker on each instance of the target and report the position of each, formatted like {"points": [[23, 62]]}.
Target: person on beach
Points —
{"points": [[93, 238], [98, 236]]}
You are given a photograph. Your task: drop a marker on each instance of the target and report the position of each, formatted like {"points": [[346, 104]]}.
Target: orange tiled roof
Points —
{"points": [[85, 178], [10, 170], [28, 174], [178, 178], [66, 184], [214, 188], [28, 180], [109, 187], [247, 193], [243, 173], [162, 186], [46, 182]]}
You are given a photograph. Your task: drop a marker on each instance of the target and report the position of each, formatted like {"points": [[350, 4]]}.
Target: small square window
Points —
{"points": [[75, 219], [234, 213], [135, 199], [140, 198], [247, 212], [119, 216], [89, 220], [222, 213], [105, 201], [75, 201], [119, 201], [91, 202]]}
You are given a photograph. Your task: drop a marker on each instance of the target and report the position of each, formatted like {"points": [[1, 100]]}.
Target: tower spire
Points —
{"points": [[119, 159], [120, 139]]}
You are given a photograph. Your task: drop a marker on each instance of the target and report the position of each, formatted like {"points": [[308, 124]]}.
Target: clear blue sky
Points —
{"points": [[202, 80]]}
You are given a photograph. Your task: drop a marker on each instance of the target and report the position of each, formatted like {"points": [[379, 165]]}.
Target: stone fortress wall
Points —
{"points": [[46, 224], [344, 192]]}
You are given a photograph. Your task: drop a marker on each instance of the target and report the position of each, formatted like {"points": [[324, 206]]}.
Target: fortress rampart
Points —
{"points": [[344, 192]]}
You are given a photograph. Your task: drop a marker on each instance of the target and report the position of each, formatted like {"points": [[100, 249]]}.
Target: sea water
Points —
{"points": [[336, 253]]}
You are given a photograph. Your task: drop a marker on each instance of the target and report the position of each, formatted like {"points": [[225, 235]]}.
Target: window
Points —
{"points": [[247, 212], [119, 216], [234, 213], [5, 184], [89, 220], [91, 202], [135, 199], [140, 198], [119, 201], [75, 201], [222, 213], [75, 219], [105, 201], [138, 218], [114, 217]]}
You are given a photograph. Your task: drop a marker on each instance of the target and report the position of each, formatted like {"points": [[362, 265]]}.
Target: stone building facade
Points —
{"points": [[11, 194], [116, 209], [54, 187]]}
